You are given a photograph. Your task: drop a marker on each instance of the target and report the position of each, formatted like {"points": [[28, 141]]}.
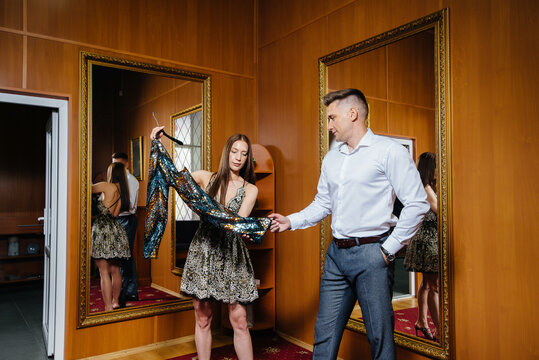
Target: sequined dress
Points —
{"points": [[109, 239], [218, 264], [422, 252]]}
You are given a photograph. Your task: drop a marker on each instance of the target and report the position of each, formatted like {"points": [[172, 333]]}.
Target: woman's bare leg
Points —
{"points": [[116, 284], [237, 314], [106, 285], [433, 299], [422, 308], [203, 317]]}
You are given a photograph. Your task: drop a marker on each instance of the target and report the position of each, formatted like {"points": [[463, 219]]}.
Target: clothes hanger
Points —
{"points": [[162, 131]]}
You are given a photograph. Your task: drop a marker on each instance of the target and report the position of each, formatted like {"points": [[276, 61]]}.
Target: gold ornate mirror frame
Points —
{"points": [[88, 60], [439, 22]]}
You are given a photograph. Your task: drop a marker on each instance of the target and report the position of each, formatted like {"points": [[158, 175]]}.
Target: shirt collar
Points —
{"points": [[366, 140]]}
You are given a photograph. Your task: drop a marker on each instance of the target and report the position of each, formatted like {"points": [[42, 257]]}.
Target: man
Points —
{"points": [[358, 184], [128, 220]]}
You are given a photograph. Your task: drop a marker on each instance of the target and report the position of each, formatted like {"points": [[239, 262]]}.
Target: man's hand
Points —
{"points": [[279, 223], [155, 130], [385, 258]]}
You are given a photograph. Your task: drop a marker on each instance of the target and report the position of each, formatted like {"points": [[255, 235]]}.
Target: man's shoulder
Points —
{"points": [[131, 179], [331, 155], [387, 143]]}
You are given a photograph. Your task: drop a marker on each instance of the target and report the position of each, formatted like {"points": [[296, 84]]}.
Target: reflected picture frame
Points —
{"points": [[407, 142], [136, 159]]}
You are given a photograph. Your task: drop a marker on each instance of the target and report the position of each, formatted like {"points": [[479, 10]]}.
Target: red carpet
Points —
{"points": [[264, 348], [146, 294], [405, 320]]}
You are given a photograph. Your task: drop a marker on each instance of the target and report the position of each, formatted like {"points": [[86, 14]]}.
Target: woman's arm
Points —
{"points": [[432, 199], [202, 178], [99, 187], [251, 192]]}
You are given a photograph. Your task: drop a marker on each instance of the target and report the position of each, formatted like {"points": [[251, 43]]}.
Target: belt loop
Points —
{"points": [[357, 241]]}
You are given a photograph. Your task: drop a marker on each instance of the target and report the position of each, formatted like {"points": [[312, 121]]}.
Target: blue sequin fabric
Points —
{"points": [[162, 175]]}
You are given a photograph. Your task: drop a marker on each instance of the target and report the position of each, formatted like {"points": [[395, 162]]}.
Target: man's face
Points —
{"points": [[339, 121]]}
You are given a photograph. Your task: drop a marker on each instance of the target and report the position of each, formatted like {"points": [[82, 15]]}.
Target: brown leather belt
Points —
{"points": [[358, 241]]}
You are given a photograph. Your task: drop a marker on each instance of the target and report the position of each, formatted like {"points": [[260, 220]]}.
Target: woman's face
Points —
{"points": [[238, 155]]}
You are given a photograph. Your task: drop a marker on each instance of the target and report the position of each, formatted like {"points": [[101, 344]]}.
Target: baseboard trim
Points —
{"points": [[297, 342], [141, 349]]}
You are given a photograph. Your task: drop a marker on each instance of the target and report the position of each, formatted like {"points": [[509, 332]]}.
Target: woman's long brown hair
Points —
{"points": [[116, 174], [247, 172], [427, 167]]}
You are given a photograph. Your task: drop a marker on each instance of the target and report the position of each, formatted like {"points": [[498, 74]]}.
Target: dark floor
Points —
{"points": [[21, 308]]}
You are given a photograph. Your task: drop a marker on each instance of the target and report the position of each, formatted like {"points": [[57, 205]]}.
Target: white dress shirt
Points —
{"points": [[358, 188], [132, 184]]}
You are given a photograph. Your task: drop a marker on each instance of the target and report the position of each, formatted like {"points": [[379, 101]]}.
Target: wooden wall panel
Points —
{"points": [[366, 72], [54, 67], [280, 17], [202, 33], [410, 65], [11, 53], [413, 122], [364, 19], [11, 14], [495, 136], [288, 102], [378, 116], [233, 111]]}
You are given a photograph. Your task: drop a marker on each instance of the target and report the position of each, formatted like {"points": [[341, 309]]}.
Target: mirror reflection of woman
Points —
{"points": [[422, 252], [218, 267], [109, 239]]}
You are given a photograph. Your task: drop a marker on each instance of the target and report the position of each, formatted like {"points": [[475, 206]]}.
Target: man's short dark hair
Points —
{"points": [[120, 155], [343, 94]]}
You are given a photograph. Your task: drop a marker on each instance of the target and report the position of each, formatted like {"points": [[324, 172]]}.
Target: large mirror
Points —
{"points": [[404, 74], [121, 101]]}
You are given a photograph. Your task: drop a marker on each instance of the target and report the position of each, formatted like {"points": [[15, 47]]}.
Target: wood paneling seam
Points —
{"points": [[306, 24], [122, 52]]}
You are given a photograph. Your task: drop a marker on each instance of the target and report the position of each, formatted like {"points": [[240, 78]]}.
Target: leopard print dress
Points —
{"points": [[218, 265], [109, 239]]}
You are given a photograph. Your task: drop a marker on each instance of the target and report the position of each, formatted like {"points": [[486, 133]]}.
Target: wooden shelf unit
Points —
{"points": [[23, 267], [262, 255]]}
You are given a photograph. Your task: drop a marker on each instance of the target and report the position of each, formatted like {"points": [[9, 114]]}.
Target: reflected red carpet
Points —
{"points": [[264, 348], [405, 320], [146, 294]]}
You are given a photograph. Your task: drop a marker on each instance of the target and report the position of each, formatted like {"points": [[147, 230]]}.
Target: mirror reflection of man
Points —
{"points": [[358, 184], [128, 220]]}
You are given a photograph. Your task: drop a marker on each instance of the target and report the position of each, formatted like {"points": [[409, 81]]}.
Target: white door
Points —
{"points": [[50, 231]]}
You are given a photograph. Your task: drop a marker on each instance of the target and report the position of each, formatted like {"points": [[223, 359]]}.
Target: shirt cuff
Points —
{"points": [[392, 245], [295, 221]]}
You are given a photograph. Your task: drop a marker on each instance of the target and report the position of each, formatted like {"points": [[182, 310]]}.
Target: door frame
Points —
{"points": [[61, 104]]}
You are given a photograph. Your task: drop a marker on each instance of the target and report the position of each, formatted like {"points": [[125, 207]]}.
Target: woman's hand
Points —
{"points": [[155, 130]]}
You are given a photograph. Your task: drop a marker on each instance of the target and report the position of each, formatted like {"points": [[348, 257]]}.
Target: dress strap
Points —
{"points": [[114, 203]]}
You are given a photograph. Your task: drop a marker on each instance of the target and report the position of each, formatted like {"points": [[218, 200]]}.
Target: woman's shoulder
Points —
{"points": [[250, 188], [202, 177], [105, 186]]}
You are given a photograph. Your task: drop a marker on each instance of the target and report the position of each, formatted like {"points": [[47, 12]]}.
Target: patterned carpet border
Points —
{"points": [[264, 348]]}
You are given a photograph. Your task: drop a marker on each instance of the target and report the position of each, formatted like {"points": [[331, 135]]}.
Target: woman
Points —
{"points": [[109, 239], [218, 266], [422, 252]]}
